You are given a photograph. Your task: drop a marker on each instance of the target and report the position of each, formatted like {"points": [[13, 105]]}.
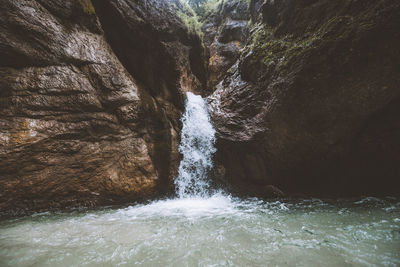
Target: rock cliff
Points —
{"points": [[91, 97], [313, 104]]}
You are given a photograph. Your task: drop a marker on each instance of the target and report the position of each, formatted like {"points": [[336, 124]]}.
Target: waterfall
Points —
{"points": [[197, 148]]}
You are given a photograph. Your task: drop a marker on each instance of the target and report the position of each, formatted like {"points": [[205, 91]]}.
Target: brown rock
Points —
{"points": [[75, 127], [313, 105]]}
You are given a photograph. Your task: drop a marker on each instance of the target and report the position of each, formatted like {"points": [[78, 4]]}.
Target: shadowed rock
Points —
{"points": [[313, 104]]}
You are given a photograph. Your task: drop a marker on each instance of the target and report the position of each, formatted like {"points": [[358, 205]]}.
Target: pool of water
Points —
{"points": [[215, 231]]}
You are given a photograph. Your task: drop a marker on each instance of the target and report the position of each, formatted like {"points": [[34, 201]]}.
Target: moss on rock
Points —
{"points": [[87, 7]]}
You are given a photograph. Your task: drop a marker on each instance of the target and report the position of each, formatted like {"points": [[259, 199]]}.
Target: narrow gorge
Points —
{"points": [[199, 132]]}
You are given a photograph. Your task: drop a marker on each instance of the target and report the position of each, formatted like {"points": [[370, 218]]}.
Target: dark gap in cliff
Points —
{"points": [[140, 50], [198, 64]]}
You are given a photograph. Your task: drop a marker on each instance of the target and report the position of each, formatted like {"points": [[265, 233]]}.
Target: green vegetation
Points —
{"points": [[207, 8], [271, 50], [87, 7], [210, 8], [190, 18], [196, 12]]}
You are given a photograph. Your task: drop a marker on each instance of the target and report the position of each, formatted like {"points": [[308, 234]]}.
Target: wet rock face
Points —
{"points": [[161, 54], [313, 104], [225, 32], [78, 127]]}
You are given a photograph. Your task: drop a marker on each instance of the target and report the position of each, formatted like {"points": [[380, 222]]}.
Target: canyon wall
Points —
{"points": [[304, 96], [313, 104], [90, 108]]}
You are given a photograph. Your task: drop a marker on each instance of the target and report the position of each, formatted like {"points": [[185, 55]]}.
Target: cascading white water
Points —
{"points": [[197, 148]]}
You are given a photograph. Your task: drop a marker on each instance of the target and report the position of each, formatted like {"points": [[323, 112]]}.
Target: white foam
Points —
{"points": [[189, 207]]}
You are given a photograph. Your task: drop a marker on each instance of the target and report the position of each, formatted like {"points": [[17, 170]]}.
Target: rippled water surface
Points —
{"points": [[215, 231]]}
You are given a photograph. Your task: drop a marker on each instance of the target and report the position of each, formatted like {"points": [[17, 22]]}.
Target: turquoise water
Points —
{"points": [[215, 231]]}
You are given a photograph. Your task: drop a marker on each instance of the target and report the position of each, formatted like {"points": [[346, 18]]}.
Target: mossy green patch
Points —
{"points": [[191, 20], [277, 50], [87, 7]]}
